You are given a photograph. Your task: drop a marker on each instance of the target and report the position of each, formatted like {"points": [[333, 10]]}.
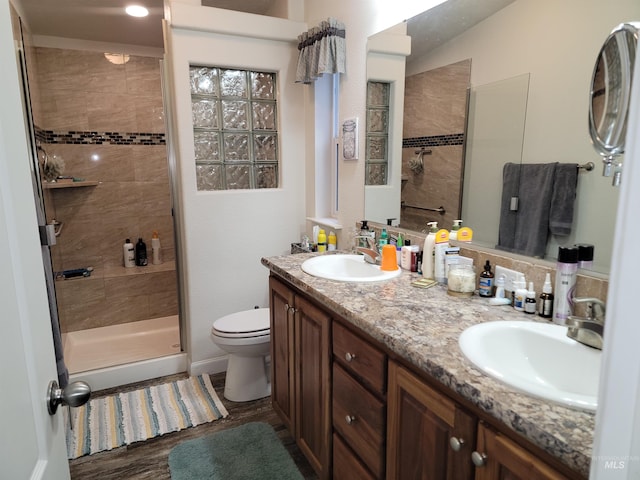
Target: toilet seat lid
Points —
{"points": [[249, 323]]}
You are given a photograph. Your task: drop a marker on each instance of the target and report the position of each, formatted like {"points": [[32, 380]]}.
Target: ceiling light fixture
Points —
{"points": [[117, 58], [136, 11]]}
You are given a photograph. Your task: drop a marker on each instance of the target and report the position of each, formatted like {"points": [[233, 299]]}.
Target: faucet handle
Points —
{"points": [[596, 308]]}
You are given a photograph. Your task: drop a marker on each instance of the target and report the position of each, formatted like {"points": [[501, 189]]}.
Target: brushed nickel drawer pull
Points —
{"points": [[349, 357], [479, 459], [350, 419]]}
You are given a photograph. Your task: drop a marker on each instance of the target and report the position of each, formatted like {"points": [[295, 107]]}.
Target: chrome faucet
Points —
{"points": [[588, 330], [371, 253]]}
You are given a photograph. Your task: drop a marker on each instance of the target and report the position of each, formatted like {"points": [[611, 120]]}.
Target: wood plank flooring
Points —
{"points": [[149, 459]]}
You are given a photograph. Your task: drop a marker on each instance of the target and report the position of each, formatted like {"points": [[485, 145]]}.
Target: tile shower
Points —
{"points": [[106, 121], [435, 107]]}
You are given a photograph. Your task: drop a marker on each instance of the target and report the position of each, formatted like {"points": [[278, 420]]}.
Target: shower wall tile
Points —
{"points": [[107, 122], [64, 109], [111, 112], [434, 117]]}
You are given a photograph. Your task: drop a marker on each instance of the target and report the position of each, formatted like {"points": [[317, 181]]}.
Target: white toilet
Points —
{"points": [[246, 337]]}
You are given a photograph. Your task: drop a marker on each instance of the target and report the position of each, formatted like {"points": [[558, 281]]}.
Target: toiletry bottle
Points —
{"points": [[322, 241], [129, 254], [453, 234], [141, 253], [500, 287], [332, 242], [585, 255], [364, 232], [428, 252], [384, 238], [405, 255], [566, 269], [545, 306], [520, 294], [485, 284], [439, 265], [155, 248], [419, 263], [415, 251], [530, 300]]}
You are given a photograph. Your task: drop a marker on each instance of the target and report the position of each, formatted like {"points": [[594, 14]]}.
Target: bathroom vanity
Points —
{"points": [[370, 380]]}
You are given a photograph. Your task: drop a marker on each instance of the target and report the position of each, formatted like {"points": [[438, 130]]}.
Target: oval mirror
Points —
{"points": [[611, 89]]}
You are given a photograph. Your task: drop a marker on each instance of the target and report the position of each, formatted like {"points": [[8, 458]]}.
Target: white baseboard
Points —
{"points": [[210, 366]]}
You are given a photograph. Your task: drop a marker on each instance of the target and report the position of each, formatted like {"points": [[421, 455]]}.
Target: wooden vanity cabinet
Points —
{"points": [[428, 435], [356, 414], [301, 381], [359, 406], [500, 458]]}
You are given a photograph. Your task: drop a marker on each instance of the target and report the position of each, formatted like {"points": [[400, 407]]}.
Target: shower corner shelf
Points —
{"points": [[83, 183]]}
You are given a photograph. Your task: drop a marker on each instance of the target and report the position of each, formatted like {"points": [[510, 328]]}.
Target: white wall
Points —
{"points": [[225, 233], [558, 45], [362, 18]]}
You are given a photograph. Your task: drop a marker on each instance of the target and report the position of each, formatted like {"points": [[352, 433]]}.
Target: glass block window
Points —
{"points": [[377, 136], [235, 128]]}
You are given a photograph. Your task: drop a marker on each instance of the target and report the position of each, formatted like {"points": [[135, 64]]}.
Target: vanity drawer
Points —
{"points": [[346, 466], [360, 358], [359, 417]]}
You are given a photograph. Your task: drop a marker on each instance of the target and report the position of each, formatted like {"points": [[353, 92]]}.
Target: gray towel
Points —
{"points": [[527, 230], [563, 198]]}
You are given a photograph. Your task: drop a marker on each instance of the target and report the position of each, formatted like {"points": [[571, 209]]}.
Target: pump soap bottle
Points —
{"points": [[428, 252], [453, 234]]}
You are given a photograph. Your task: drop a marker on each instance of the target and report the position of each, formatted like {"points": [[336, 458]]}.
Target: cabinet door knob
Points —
{"points": [[456, 443], [287, 307], [349, 356], [479, 459], [350, 419]]}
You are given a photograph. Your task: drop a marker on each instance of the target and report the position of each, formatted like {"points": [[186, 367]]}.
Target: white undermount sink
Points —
{"points": [[536, 358], [346, 268]]}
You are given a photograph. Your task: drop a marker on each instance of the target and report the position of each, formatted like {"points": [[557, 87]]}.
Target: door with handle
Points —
{"points": [[33, 442]]}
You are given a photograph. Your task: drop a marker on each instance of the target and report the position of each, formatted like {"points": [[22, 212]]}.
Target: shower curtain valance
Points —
{"points": [[321, 50]]}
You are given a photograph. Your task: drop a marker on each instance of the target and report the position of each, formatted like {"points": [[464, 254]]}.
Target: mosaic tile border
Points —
{"points": [[99, 138], [434, 141]]}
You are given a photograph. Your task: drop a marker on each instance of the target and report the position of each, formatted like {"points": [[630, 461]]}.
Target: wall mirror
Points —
{"points": [[512, 41]]}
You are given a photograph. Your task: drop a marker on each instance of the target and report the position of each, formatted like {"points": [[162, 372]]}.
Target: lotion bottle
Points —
{"points": [[155, 249], [129, 254], [453, 234], [428, 252]]}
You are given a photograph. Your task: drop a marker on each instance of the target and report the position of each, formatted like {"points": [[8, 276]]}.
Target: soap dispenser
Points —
{"points": [[428, 252], [453, 234]]}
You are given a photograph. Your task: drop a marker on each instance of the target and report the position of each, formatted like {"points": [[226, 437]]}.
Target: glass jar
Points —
{"points": [[461, 281]]}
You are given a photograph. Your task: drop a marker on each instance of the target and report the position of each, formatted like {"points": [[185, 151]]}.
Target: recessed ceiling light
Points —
{"points": [[136, 11]]}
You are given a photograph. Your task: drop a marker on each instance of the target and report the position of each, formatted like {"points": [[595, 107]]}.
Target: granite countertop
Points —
{"points": [[422, 326]]}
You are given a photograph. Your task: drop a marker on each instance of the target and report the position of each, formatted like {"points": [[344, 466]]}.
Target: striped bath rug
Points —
{"points": [[121, 419]]}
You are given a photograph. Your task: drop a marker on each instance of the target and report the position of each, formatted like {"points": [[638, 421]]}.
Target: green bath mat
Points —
{"points": [[248, 452]]}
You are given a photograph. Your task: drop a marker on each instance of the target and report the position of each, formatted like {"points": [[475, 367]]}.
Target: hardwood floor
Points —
{"points": [[148, 459]]}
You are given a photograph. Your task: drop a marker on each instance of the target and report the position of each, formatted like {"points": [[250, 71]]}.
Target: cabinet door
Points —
{"points": [[421, 426], [505, 460], [313, 381], [281, 301]]}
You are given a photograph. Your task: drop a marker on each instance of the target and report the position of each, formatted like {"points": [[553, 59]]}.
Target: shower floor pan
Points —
{"points": [[103, 347]]}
